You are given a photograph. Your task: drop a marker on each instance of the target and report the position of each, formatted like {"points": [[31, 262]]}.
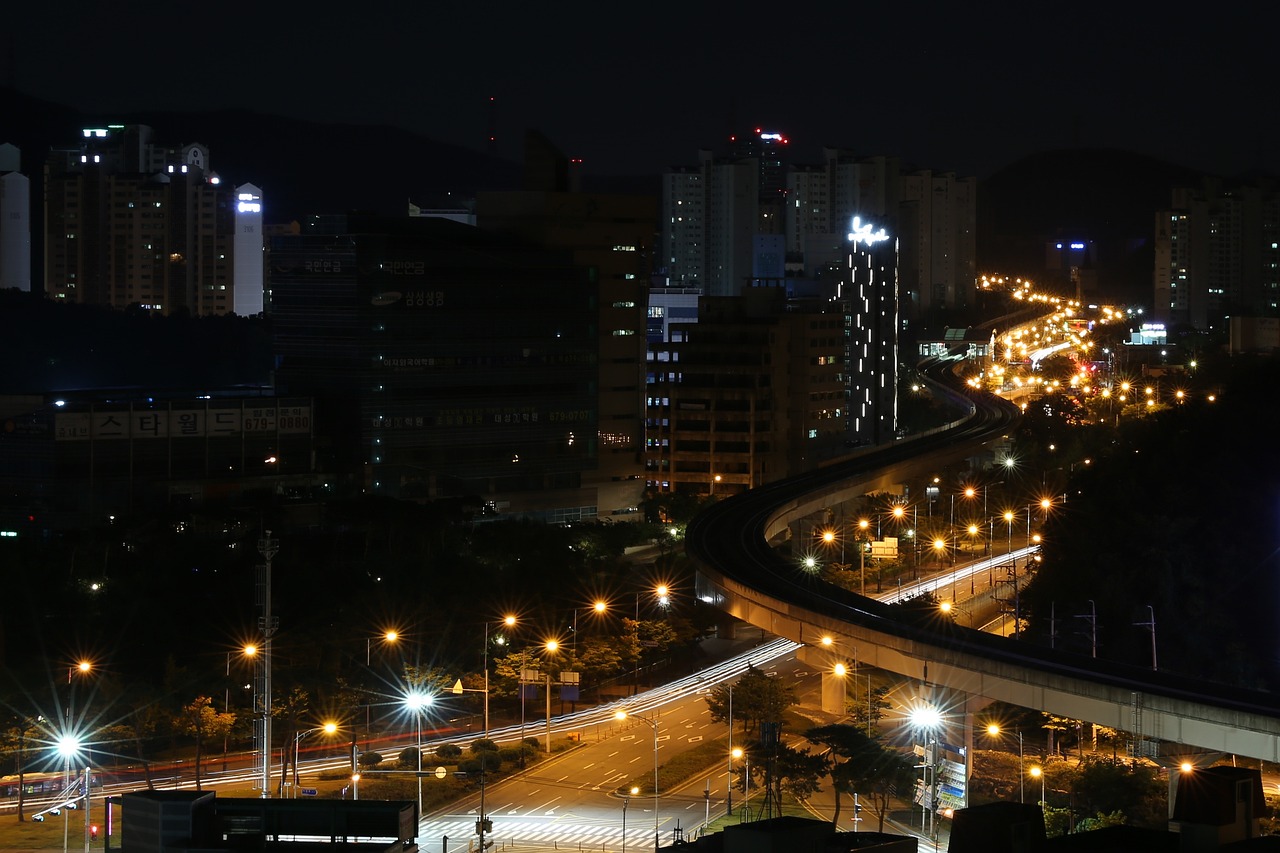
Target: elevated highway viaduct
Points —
{"points": [[741, 572]]}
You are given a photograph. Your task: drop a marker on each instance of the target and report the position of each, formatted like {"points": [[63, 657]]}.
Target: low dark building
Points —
{"points": [[199, 822], [998, 828]]}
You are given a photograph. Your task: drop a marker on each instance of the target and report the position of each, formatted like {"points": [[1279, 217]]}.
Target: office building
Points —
{"points": [[611, 237], [15, 221], [446, 360], [751, 393], [131, 222]]}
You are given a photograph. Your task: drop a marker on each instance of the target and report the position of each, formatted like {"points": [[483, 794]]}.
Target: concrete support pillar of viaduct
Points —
{"points": [[833, 693], [833, 686]]}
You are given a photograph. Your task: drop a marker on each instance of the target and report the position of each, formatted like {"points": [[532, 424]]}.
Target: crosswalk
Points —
{"points": [[561, 831]]}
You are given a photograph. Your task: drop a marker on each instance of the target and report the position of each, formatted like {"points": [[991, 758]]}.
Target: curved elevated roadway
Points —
{"points": [[741, 573]]}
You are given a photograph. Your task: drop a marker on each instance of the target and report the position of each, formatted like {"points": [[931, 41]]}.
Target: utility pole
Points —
{"points": [[1151, 626], [268, 624], [1092, 618]]}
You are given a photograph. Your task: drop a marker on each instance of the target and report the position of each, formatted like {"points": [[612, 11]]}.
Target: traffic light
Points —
{"points": [[93, 832], [484, 825]]}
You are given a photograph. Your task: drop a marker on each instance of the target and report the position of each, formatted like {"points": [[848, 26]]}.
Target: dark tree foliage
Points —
{"points": [[1178, 518], [757, 698]]}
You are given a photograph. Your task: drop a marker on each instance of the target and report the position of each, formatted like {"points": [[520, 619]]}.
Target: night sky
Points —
{"points": [[634, 88]]}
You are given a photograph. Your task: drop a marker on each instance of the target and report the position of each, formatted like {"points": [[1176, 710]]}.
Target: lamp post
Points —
{"points": [[653, 724], [929, 719], [510, 622], [419, 702], [248, 651], [327, 728], [1038, 773], [626, 800], [84, 667], [863, 526], [994, 730], [388, 637], [552, 646], [739, 752], [68, 746], [599, 607]]}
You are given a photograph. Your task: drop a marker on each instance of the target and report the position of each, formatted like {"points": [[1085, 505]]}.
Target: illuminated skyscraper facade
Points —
{"points": [[871, 356]]}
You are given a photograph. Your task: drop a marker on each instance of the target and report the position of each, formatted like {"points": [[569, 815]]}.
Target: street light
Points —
{"points": [[248, 651], [84, 667], [626, 800], [653, 724], [928, 719], [327, 728], [69, 746], [1037, 773], [993, 729], [389, 637], [739, 752], [509, 621], [599, 607], [417, 703]]}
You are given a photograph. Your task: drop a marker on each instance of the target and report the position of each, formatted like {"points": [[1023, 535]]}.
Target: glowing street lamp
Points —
{"points": [[993, 729], [327, 728], [739, 752], [508, 621], [928, 719], [418, 703], [653, 724], [1038, 773], [626, 801], [600, 607], [389, 637]]}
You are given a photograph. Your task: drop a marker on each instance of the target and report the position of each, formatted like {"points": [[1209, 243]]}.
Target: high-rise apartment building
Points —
{"points": [[129, 222], [15, 221], [742, 236], [1217, 254]]}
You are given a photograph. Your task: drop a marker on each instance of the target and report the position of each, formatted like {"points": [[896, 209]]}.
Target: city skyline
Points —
{"points": [[945, 89]]}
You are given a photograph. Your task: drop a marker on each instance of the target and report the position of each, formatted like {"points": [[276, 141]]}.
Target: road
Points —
{"points": [[570, 799]]}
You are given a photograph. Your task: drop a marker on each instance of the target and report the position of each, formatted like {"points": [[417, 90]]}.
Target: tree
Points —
{"points": [[202, 721], [869, 709], [797, 772], [863, 764], [290, 709], [1108, 785], [598, 658], [757, 698]]}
